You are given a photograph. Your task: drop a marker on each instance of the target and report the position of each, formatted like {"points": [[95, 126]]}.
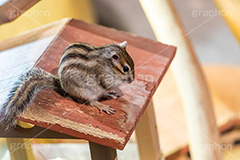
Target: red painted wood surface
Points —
{"points": [[52, 111]]}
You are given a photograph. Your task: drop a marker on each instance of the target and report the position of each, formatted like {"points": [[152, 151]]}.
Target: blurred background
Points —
{"points": [[215, 37]]}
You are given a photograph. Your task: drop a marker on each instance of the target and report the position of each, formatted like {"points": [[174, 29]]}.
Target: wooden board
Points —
{"points": [[51, 110]]}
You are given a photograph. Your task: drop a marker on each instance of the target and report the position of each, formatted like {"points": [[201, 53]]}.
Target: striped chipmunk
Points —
{"points": [[86, 73]]}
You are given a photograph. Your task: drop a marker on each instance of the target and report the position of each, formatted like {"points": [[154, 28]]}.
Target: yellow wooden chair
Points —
{"points": [[231, 13]]}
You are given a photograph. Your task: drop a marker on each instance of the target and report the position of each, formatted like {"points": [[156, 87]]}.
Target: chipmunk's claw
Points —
{"points": [[113, 95], [107, 109], [103, 108]]}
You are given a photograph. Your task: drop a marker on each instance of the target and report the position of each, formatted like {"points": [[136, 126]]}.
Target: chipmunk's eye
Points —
{"points": [[115, 57], [125, 68]]}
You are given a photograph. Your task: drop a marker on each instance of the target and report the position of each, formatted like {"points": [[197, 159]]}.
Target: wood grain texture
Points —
{"points": [[51, 110]]}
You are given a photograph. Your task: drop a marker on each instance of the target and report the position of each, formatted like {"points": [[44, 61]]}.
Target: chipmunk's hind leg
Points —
{"points": [[102, 107]]}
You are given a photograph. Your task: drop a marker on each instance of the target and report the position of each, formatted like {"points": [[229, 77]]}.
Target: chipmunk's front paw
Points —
{"points": [[103, 107], [112, 94]]}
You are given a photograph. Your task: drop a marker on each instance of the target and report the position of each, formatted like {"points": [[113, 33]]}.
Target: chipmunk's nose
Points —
{"points": [[130, 79]]}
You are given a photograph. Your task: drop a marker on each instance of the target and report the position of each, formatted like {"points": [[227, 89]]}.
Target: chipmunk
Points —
{"points": [[85, 72]]}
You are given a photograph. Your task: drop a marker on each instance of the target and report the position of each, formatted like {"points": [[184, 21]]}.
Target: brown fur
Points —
{"points": [[85, 72]]}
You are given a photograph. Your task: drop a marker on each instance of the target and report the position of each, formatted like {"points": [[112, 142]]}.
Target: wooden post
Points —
{"points": [[12, 9], [147, 136], [100, 152], [20, 149], [202, 130]]}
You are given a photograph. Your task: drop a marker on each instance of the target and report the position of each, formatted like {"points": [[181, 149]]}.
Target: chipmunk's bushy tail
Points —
{"points": [[23, 94]]}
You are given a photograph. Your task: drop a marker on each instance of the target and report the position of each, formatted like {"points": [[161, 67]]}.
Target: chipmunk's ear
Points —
{"points": [[123, 45]]}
